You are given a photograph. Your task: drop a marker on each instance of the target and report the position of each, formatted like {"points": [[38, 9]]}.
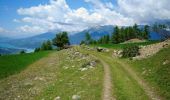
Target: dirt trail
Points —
{"points": [[107, 84], [148, 90]]}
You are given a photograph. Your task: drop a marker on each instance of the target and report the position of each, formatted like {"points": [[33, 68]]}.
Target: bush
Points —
{"points": [[22, 52], [37, 49], [130, 51]]}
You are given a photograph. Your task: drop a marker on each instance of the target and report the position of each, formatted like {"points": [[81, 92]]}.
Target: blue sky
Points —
{"points": [[22, 18]]}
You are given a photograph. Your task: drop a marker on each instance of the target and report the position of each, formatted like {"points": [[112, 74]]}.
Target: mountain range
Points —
{"points": [[36, 41]]}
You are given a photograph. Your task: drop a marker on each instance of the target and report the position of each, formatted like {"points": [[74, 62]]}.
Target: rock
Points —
{"points": [[99, 49], [165, 45], [76, 53], [107, 50], [57, 98], [83, 69], [165, 62], [93, 63], [76, 97], [117, 53], [149, 50], [65, 67]]}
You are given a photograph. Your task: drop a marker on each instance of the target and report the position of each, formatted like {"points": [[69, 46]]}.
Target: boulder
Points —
{"points": [[76, 97], [57, 98], [99, 49], [165, 62]]}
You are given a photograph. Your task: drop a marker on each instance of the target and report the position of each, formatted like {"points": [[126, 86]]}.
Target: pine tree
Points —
{"points": [[146, 32], [115, 35], [87, 38]]}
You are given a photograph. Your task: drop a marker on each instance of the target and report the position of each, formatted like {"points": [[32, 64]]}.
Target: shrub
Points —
{"points": [[130, 51], [22, 52], [37, 49]]}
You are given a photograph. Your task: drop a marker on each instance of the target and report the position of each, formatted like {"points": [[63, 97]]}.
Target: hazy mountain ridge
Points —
{"points": [[36, 41]]}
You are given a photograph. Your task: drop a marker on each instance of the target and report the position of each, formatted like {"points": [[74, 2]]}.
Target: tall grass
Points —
{"points": [[155, 72], [12, 64]]}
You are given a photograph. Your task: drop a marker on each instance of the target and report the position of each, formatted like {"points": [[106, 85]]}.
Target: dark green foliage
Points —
{"points": [[13, 64], [22, 52], [37, 49], [146, 32], [116, 35], [88, 39], [61, 40], [130, 51], [104, 40], [47, 45], [123, 34], [82, 42]]}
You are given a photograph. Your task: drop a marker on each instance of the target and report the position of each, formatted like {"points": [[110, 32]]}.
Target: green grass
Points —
{"points": [[120, 46], [124, 86], [72, 81], [157, 74], [12, 64]]}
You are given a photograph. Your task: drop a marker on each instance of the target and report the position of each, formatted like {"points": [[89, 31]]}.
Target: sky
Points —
{"points": [[23, 18]]}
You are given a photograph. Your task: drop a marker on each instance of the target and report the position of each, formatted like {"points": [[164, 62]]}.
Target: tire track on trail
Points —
{"points": [[148, 90], [107, 83]]}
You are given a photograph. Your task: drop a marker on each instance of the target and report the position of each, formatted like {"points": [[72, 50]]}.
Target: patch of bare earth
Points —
{"points": [[135, 40], [149, 50]]}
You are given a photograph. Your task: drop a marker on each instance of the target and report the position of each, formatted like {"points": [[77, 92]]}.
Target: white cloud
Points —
{"points": [[145, 11], [31, 29], [57, 15]]}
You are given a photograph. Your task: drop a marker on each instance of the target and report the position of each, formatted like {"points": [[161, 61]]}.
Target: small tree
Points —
{"points": [[49, 45], [87, 38], [22, 52], [115, 35], [82, 42], [146, 32], [61, 40], [37, 49], [43, 46]]}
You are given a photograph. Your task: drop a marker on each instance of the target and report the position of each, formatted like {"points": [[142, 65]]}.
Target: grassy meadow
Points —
{"points": [[120, 46], [12, 64], [155, 72]]}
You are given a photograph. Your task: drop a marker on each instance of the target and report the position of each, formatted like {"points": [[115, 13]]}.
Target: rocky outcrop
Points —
{"points": [[149, 50]]}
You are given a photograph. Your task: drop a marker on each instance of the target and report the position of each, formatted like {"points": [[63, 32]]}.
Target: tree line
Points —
{"points": [[119, 35], [122, 34]]}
